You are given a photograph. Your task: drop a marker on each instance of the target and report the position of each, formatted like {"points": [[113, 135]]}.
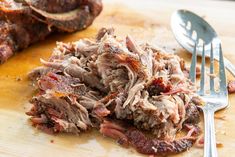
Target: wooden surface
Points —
{"points": [[145, 20]]}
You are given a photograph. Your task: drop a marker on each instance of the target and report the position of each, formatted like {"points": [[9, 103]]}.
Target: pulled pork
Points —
{"points": [[93, 84]]}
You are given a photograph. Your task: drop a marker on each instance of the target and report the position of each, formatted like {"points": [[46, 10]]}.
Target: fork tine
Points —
{"points": [[192, 74], [222, 76], [212, 88], [202, 82]]}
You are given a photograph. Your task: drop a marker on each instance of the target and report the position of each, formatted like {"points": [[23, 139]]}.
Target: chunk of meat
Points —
{"points": [[231, 86], [18, 33], [55, 6], [150, 146], [104, 31], [58, 83], [192, 114], [55, 115], [101, 111], [5, 52], [156, 146], [72, 20], [76, 71], [158, 86], [23, 23], [114, 131], [37, 73]]}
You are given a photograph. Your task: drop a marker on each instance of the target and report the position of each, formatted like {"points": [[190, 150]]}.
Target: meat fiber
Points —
{"points": [[86, 82], [28, 21]]}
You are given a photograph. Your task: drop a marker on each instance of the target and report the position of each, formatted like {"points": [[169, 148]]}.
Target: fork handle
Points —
{"points": [[209, 135], [228, 65]]}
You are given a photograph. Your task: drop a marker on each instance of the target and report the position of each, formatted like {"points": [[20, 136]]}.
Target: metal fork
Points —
{"points": [[215, 100]]}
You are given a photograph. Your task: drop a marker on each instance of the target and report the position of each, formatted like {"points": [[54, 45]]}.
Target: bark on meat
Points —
{"points": [[146, 145], [25, 22]]}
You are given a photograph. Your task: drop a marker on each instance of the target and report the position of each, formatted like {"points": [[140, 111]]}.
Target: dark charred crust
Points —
{"points": [[56, 6], [158, 147], [150, 146], [104, 31], [192, 114], [21, 25], [158, 86]]}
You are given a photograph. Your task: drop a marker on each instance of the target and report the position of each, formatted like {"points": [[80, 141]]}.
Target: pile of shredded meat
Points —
{"points": [[119, 87]]}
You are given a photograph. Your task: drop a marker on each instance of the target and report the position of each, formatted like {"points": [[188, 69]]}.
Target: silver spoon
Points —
{"points": [[189, 28]]}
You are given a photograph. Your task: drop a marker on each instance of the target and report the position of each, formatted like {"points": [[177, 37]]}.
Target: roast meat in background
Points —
{"points": [[23, 22]]}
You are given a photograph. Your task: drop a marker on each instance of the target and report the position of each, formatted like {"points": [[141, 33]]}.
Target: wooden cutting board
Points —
{"points": [[144, 20]]}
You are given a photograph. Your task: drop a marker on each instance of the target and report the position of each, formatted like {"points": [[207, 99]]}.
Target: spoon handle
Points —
{"points": [[229, 66]]}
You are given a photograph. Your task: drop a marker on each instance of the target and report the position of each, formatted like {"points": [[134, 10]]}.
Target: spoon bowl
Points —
{"points": [[190, 28]]}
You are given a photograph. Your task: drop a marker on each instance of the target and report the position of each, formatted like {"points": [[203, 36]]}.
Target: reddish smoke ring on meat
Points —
{"points": [[119, 87]]}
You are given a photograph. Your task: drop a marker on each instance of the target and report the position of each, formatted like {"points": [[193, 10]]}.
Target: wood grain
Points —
{"points": [[147, 21]]}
